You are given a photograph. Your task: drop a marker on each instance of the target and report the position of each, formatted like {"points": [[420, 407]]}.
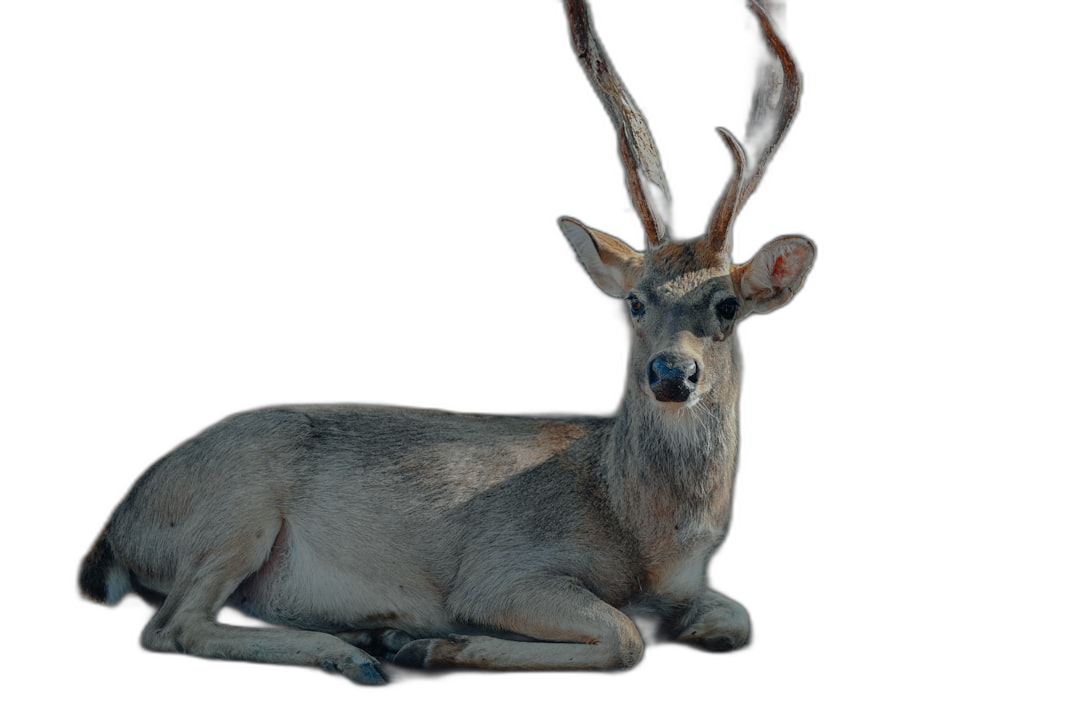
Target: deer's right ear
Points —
{"points": [[612, 265]]}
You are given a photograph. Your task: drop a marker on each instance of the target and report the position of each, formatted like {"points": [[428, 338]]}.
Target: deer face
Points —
{"points": [[682, 305], [684, 300]]}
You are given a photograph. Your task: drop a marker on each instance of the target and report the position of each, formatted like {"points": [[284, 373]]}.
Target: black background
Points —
{"points": [[297, 206]]}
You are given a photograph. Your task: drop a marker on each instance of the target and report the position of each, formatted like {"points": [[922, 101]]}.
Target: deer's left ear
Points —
{"points": [[775, 274]]}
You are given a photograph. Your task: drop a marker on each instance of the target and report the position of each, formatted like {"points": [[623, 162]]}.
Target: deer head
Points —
{"points": [[685, 298]]}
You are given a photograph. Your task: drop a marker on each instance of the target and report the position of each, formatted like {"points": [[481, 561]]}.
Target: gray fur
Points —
{"points": [[438, 539], [425, 524]]}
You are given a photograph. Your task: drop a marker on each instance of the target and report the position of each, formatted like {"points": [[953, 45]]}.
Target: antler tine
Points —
{"points": [[775, 102], [638, 152]]}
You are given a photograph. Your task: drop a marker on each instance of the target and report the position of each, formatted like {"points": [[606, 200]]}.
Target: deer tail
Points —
{"points": [[102, 578]]}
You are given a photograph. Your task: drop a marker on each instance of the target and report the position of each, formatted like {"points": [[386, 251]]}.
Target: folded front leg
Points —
{"points": [[711, 621], [570, 627]]}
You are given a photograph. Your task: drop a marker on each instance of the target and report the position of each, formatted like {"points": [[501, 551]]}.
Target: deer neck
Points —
{"points": [[670, 472]]}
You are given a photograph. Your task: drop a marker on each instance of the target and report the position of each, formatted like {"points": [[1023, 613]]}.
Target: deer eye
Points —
{"points": [[637, 308], [727, 308]]}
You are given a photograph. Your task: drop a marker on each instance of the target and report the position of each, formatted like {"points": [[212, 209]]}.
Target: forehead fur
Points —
{"points": [[677, 268]]}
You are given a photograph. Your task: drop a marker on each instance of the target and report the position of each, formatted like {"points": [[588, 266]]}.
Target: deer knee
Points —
{"points": [[173, 633], [628, 646], [171, 638], [167, 638], [630, 653]]}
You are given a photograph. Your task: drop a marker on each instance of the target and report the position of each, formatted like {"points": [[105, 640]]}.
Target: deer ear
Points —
{"points": [[612, 265], [776, 273]]}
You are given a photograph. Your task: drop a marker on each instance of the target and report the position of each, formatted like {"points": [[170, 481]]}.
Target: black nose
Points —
{"points": [[672, 377]]}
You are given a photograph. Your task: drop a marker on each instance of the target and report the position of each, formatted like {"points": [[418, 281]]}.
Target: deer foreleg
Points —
{"points": [[711, 621], [571, 629]]}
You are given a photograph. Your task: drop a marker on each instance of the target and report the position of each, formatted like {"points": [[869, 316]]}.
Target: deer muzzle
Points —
{"points": [[673, 377]]}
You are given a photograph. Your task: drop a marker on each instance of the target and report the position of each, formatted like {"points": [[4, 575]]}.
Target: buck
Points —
{"points": [[432, 539]]}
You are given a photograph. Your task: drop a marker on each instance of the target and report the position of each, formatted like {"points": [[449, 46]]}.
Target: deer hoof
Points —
{"points": [[363, 671]]}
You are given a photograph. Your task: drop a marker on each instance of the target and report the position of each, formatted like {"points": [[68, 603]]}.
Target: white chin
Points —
{"points": [[677, 407]]}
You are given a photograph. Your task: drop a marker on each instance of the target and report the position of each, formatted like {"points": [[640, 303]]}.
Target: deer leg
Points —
{"points": [[382, 641], [571, 629], [187, 623], [711, 621]]}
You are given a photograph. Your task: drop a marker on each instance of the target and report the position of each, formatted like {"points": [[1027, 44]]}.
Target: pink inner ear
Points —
{"points": [[778, 267], [779, 272], [790, 261]]}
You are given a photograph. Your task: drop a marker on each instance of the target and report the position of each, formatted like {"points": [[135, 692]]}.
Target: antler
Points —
{"points": [[776, 100], [640, 158]]}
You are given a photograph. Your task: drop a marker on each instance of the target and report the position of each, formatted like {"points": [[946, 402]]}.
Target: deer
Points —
{"points": [[423, 538]]}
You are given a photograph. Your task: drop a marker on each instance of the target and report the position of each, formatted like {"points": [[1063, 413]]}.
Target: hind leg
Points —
{"points": [[187, 623]]}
